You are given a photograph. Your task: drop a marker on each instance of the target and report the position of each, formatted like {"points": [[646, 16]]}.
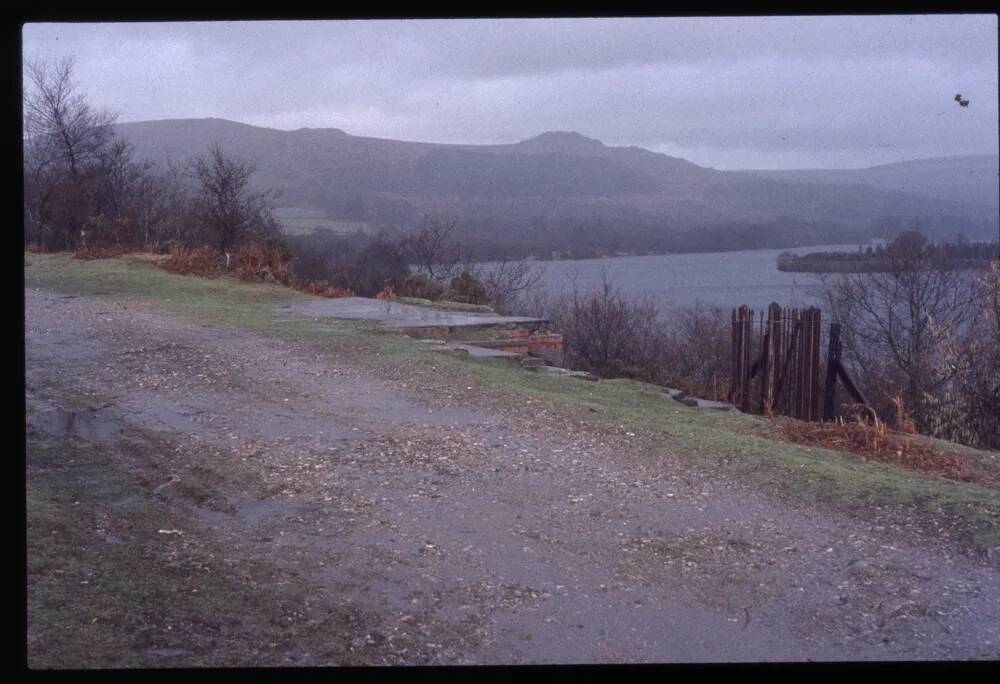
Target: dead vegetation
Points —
{"points": [[204, 261], [921, 328], [99, 252], [903, 419], [321, 288], [107, 250], [874, 440], [269, 263]]}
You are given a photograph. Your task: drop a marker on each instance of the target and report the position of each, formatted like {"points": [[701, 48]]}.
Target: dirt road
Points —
{"points": [[206, 496]]}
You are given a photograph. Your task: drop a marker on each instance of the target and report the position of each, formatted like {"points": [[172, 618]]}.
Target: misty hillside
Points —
{"points": [[562, 191], [968, 178]]}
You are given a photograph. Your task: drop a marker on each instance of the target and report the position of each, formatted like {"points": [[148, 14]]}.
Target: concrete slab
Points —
{"points": [[695, 402], [480, 352], [716, 405], [556, 370], [399, 315]]}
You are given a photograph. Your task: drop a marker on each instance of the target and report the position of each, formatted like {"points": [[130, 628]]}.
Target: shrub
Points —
{"points": [[268, 263], [873, 440], [104, 231], [36, 248], [613, 335], [89, 253], [467, 289], [380, 264], [322, 288], [696, 350], [968, 409], [169, 247], [903, 421], [506, 280], [327, 256], [420, 286], [385, 294], [202, 261], [897, 325]]}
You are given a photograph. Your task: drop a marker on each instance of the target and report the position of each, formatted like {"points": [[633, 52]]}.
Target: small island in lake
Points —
{"points": [[884, 257]]}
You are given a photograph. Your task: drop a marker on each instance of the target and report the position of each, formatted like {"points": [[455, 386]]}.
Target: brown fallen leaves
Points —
{"points": [[877, 442], [324, 289]]}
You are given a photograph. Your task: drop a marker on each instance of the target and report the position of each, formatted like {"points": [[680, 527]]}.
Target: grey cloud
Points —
{"points": [[840, 91]]}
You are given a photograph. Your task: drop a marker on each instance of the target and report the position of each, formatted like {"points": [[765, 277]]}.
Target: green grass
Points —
{"points": [[222, 301], [720, 441]]}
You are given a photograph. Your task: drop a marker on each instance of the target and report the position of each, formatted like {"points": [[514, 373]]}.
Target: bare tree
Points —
{"points": [[697, 351], [609, 335], [40, 183], [432, 248], [895, 322], [59, 120], [507, 280], [120, 177], [612, 335], [64, 141], [229, 209], [162, 209], [968, 411]]}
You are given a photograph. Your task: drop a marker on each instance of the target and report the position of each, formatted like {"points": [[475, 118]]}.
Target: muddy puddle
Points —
{"points": [[92, 425], [260, 512]]}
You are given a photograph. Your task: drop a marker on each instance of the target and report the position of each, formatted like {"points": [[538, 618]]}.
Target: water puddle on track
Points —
{"points": [[92, 425], [255, 513]]}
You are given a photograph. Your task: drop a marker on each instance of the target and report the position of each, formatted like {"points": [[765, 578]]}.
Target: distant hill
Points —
{"points": [[969, 178], [560, 191]]}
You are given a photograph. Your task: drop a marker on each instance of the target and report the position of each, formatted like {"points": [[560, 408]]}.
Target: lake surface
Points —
{"points": [[726, 279]]}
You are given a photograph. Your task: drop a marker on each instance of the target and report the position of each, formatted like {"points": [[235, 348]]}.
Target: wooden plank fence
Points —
{"points": [[776, 362]]}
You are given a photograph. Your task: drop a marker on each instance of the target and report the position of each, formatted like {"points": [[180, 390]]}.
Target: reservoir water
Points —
{"points": [[725, 279]]}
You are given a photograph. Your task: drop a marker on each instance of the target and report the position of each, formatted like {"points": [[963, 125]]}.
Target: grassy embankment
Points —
{"points": [[720, 441]]}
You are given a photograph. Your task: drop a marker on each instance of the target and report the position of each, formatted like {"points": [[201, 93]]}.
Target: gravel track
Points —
{"points": [[421, 526]]}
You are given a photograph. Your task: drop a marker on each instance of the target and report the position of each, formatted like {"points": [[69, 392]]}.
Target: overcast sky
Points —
{"points": [[731, 93]]}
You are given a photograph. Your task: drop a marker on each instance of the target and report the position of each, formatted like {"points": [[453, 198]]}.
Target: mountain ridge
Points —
{"points": [[556, 190], [968, 178]]}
